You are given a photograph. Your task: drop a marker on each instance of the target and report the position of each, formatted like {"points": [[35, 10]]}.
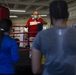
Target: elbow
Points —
{"points": [[25, 26], [36, 71]]}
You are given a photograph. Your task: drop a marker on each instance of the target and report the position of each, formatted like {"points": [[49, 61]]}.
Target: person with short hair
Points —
{"points": [[9, 55], [34, 24], [57, 44]]}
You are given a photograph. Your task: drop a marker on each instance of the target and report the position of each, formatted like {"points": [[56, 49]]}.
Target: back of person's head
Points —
{"points": [[59, 10], [5, 25]]}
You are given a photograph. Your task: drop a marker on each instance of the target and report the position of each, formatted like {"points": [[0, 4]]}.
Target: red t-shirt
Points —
{"points": [[33, 24]]}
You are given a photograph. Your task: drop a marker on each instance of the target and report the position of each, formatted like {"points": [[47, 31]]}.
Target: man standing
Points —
{"points": [[34, 24]]}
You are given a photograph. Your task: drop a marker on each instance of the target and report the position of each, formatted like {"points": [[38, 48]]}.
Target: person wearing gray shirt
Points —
{"points": [[57, 44]]}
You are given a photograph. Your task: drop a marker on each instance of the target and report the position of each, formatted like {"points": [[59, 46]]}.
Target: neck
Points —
{"points": [[60, 23], [6, 33]]}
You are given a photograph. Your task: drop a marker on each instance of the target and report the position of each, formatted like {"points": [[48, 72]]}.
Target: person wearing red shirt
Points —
{"points": [[34, 25]]}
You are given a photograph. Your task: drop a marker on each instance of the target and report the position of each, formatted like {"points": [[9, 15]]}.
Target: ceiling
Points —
{"points": [[31, 5]]}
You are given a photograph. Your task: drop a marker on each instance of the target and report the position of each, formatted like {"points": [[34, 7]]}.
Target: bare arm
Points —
{"points": [[26, 26], [36, 61]]}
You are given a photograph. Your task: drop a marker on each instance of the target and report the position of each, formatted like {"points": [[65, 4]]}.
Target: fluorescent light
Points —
{"points": [[17, 10], [41, 15], [13, 16]]}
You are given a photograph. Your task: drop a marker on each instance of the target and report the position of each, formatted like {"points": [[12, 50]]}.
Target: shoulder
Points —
{"points": [[72, 30], [10, 38], [7, 37], [30, 18], [10, 41], [44, 32]]}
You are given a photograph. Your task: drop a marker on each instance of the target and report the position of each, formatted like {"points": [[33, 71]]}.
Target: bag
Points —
{"points": [[4, 12]]}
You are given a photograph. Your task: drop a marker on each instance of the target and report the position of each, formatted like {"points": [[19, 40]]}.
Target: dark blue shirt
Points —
{"points": [[58, 45], [8, 55]]}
